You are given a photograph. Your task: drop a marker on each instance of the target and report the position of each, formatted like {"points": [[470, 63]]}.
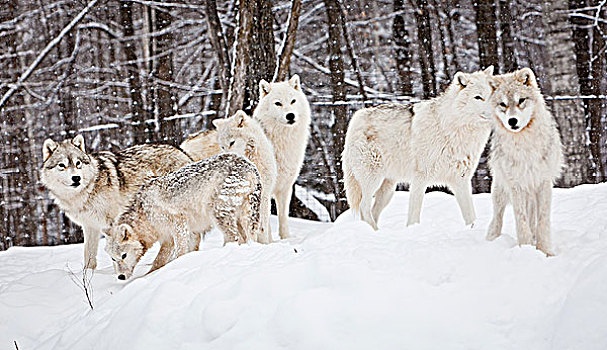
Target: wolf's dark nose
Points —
{"points": [[121, 277], [512, 121], [76, 178], [290, 117]]}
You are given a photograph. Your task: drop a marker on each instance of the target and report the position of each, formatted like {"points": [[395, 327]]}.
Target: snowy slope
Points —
{"points": [[438, 285]]}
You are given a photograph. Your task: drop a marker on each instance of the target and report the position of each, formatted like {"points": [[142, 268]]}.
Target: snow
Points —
{"points": [[438, 285]]}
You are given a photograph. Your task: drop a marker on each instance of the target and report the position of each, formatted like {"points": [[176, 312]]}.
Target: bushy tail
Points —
{"points": [[352, 187]]}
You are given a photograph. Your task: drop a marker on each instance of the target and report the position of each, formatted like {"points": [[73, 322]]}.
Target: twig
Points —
{"points": [[84, 283]]}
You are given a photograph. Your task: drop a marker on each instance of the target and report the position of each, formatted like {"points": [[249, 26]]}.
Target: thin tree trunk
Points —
{"points": [[336, 64], [426, 54], [288, 44], [562, 74], [220, 45], [487, 36], [240, 58], [507, 41], [402, 49], [350, 49]]}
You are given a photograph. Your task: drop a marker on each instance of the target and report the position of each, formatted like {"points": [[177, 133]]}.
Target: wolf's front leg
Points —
{"points": [[264, 213], [463, 195], [417, 189], [165, 255], [544, 199], [500, 200], [520, 201], [91, 243], [283, 199]]}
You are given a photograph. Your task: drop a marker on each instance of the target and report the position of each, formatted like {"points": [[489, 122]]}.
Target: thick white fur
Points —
{"points": [[524, 160], [433, 142], [243, 135], [289, 139]]}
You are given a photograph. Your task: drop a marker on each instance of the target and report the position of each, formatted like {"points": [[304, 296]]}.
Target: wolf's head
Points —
{"points": [[284, 102], [515, 99], [235, 132], [67, 169], [124, 249], [472, 92]]}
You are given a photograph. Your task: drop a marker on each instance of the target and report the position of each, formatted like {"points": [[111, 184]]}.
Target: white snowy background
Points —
{"points": [[438, 285]]}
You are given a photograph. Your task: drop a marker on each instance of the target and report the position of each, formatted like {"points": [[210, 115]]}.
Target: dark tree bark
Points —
{"points": [[350, 50], [284, 57], [141, 131], [336, 64], [562, 74], [426, 54], [486, 29], [220, 45], [240, 58], [402, 49], [170, 131], [509, 62]]}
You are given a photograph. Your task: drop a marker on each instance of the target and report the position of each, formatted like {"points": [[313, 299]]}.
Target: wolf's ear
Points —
{"points": [[241, 118], [48, 147], [294, 82], [264, 88], [218, 123], [489, 70], [526, 77], [461, 79], [78, 141], [126, 231]]}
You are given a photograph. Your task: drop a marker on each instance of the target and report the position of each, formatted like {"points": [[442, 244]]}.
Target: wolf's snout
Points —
{"points": [[121, 277], [512, 122], [290, 118], [75, 180]]}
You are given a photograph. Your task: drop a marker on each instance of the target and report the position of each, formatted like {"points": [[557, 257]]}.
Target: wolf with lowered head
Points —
{"points": [[223, 191], [526, 158], [430, 143], [94, 188]]}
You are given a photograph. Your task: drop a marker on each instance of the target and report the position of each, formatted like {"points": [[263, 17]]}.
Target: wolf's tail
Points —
{"points": [[352, 187]]}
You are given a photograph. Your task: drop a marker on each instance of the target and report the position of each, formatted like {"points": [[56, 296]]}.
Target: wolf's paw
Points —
{"points": [[492, 234], [546, 250], [90, 264]]}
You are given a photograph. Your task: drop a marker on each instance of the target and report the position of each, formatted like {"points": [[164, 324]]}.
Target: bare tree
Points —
{"points": [[486, 29], [240, 58], [402, 49], [288, 43], [509, 63], [220, 45], [426, 54]]}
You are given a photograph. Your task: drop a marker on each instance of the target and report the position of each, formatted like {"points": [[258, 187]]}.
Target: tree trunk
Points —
{"points": [[240, 58], [336, 65], [485, 28], [288, 44], [218, 41], [509, 63], [170, 132], [402, 49], [426, 54], [141, 131], [569, 113]]}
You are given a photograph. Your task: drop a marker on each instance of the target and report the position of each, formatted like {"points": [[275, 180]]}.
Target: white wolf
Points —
{"points": [[244, 136], [433, 142], [93, 189], [526, 158], [284, 113], [222, 191]]}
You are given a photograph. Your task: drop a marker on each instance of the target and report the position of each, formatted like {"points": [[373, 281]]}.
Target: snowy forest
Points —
{"points": [[124, 72]]}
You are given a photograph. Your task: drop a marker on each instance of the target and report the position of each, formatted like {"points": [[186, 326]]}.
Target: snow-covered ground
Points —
{"points": [[438, 285]]}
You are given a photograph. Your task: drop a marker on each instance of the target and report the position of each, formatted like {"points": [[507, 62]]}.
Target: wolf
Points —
{"points": [[525, 160], [284, 114], [433, 142], [243, 135], [94, 188], [222, 191], [201, 145]]}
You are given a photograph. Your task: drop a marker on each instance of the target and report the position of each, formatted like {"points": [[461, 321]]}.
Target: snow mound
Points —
{"points": [[438, 285]]}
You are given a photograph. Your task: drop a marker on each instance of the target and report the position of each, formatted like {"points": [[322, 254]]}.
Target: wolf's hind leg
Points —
{"points": [[91, 244], [382, 197], [417, 189], [369, 186]]}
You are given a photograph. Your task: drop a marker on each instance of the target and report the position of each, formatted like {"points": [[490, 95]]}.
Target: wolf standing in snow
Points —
{"points": [[223, 191], [434, 142], [526, 158], [244, 136], [93, 189], [284, 114]]}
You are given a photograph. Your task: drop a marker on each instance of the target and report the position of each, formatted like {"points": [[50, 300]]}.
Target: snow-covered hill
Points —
{"points": [[438, 285]]}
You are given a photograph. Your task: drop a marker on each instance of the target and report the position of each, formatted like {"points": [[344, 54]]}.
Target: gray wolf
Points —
{"points": [[244, 136], [433, 142], [222, 191], [93, 189], [526, 158]]}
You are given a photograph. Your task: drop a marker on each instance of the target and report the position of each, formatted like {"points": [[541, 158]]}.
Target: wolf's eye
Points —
{"points": [[293, 101], [113, 259], [78, 164], [232, 143], [61, 166], [502, 104], [479, 97], [521, 101], [123, 256], [278, 104]]}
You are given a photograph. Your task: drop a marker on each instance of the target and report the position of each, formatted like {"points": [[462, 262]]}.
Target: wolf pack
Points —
{"points": [[225, 178]]}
